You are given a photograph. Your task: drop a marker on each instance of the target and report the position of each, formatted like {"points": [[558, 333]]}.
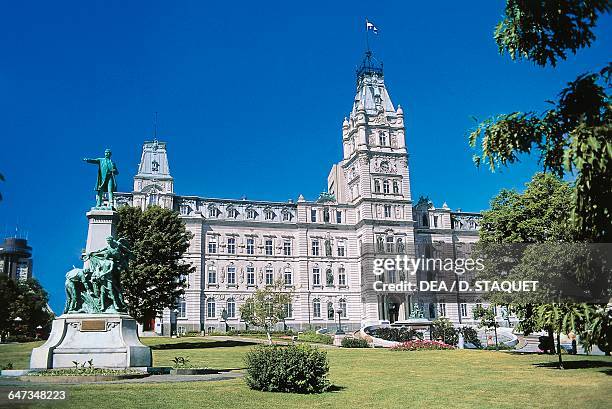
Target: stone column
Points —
{"points": [[102, 223]]}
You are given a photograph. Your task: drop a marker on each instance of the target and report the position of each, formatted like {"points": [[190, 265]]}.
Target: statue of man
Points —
{"points": [[106, 177]]}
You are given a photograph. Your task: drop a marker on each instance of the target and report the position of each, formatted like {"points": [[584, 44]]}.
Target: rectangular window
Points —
{"points": [[250, 275], [463, 307], [338, 216], [316, 309], [212, 275], [231, 275], [315, 247], [341, 248], [269, 276], [250, 245], [341, 277], [288, 277], [391, 276], [442, 309], [287, 247], [182, 308], [313, 215], [212, 245], [316, 276], [387, 210], [435, 221], [231, 245], [288, 310], [269, 247], [211, 308]]}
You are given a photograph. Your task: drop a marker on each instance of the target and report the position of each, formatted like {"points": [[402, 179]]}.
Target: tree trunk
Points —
{"points": [[552, 341], [559, 350]]}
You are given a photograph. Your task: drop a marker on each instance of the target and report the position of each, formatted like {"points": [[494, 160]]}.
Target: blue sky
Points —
{"points": [[250, 97]]}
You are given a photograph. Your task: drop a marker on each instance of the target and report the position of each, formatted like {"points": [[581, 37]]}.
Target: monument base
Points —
{"points": [[110, 340]]}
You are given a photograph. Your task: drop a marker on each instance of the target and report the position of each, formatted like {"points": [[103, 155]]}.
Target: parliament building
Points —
{"points": [[323, 249]]}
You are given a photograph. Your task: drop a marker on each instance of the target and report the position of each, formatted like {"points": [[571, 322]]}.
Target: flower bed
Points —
{"points": [[419, 345]]}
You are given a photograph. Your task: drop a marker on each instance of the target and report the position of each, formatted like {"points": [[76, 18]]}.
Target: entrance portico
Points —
{"points": [[393, 307]]}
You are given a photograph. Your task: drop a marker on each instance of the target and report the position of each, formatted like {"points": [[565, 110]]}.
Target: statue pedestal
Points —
{"points": [[102, 223], [111, 340]]}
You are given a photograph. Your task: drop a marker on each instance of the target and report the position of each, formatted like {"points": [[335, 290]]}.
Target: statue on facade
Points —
{"points": [[329, 278], [401, 249], [416, 312], [96, 288], [328, 248], [106, 183]]}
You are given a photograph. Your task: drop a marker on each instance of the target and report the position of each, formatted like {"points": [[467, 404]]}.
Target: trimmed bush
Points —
{"points": [[311, 336], [293, 368], [444, 330], [471, 335], [419, 345], [354, 343], [401, 334]]}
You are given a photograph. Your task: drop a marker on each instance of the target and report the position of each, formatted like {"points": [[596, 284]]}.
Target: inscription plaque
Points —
{"points": [[93, 325]]}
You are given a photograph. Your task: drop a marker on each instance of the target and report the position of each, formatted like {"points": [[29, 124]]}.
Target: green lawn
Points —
{"points": [[364, 378]]}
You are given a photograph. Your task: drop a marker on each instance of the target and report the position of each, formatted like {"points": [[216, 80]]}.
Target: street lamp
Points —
{"points": [[339, 330]]}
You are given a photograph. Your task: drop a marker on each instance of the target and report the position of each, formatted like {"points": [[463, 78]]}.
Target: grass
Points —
{"points": [[364, 378]]}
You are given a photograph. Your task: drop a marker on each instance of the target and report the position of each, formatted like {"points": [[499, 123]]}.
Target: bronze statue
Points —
{"points": [[106, 183], [96, 288]]}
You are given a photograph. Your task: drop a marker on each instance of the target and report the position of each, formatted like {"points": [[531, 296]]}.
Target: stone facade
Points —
{"points": [[323, 249]]}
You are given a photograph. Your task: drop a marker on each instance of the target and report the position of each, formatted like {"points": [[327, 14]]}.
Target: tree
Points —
{"points": [[8, 295], [544, 30], [156, 274], [267, 307], [442, 328], [572, 136], [598, 331], [487, 319]]}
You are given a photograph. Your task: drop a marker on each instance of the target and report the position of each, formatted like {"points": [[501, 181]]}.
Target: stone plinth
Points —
{"points": [[111, 340], [102, 223]]}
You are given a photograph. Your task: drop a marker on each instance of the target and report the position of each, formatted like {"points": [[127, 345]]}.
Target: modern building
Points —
{"points": [[322, 249], [16, 258]]}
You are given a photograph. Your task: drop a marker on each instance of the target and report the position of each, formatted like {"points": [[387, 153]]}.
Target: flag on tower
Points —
{"points": [[371, 27]]}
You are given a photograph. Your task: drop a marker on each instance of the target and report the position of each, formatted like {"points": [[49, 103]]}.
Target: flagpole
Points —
{"points": [[366, 36]]}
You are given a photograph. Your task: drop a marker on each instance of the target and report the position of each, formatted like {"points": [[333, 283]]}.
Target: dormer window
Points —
{"points": [[269, 214], [213, 211], [287, 216], [232, 213], [251, 214]]}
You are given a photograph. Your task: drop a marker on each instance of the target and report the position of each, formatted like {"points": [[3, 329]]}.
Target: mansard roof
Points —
{"points": [[371, 90], [154, 161]]}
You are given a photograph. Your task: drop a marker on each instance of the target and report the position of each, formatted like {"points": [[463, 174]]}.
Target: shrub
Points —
{"points": [[354, 343], [471, 335], [311, 336], [7, 366], [401, 334], [258, 332], [443, 329], [292, 368], [419, 345], [500, 347]]}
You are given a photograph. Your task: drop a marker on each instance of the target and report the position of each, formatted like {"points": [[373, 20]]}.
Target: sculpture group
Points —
{"points": [[96, 288]]}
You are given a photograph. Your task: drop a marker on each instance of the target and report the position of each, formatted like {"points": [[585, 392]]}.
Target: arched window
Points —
{"points": [[316, 308], [395, 187], [342, 304], [380, 244], [376, 186], [211, 308], [386, 186], [231, 308]]}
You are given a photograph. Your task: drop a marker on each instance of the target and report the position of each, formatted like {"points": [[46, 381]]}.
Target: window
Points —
{"points": [[153, 199], [391, 276], [250, 275], [211, 308], [341, 248], [316, 276], [181, 306], [233, 213], [395, 187], [387, 210], [313, 215], [342, 305], [288, 310], [463, 308], [288, 277], [286, 216], [231, 308], [315, 247], [250, 245], [442, 309], [316, 308], [338, 216], [382, 138], [376, 186], [231, 275], [268, 214], [435, 220], [386, 186], [269, 276], [389, 244], [330, 311], [251, 214], [269, 247], [184, 210], [425, 221], [341, 276], [212, 245], [287, 247], [213, 211], [212, 275], [231, 245]]}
